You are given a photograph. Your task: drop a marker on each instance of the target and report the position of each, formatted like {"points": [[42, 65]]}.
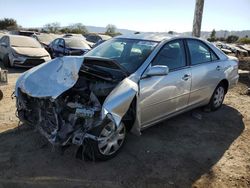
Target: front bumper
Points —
{"points": [[28, 61]]}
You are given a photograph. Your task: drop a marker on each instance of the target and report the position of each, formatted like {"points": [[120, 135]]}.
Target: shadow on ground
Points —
{"points": [[174, 153]]}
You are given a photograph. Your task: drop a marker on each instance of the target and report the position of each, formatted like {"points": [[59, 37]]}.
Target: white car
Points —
{"points": [[22, 51]]}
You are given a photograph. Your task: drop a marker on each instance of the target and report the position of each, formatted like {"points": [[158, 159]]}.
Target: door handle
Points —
{"points": [[218, 68], [186, 77]]}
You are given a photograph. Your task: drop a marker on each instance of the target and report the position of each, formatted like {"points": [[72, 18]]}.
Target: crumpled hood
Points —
{"points": [[32, 52], [50, 79]]}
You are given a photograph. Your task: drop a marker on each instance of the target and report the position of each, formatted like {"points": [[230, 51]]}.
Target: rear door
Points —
{"points": [[166, 94], [206, 71]]}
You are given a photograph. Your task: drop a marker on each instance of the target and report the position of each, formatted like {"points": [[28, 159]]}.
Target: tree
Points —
{"points": [[8, 23], [52, 27], [212, 37], [110, 30], [78, 28], [244, 40], [232, 38], [171, 32], [213, 34]]}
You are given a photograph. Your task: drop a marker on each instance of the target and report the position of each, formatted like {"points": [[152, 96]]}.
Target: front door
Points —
{"points": [[163, 95]]}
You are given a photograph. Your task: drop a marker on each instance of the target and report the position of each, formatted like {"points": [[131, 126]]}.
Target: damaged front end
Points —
{"points": [[72, 97]]}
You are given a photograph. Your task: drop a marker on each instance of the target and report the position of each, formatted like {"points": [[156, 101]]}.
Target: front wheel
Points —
{"points": [[110, 140], [217, 98]]}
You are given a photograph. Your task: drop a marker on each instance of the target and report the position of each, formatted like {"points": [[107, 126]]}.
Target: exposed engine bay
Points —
{"points": [[69, 117]]}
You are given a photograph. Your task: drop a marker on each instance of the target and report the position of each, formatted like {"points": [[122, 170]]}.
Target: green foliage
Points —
{"points": [[8, 23], [77, 28], [170, 32], [244, 40], [111, 30], [232, 38], [212, 36], [52, 27]]}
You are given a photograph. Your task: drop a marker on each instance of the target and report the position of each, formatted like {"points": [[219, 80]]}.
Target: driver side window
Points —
{"points": [[171, 55], [61, 43]]}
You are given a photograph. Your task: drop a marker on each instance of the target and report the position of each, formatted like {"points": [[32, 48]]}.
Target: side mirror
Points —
{"points": [[3, 44], [157, 70]]}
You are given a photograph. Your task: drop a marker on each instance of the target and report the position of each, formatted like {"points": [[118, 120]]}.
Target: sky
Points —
{"points": [[139, 15]]}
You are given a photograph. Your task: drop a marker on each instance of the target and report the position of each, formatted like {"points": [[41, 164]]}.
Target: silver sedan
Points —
{"points": [[127, 83]]}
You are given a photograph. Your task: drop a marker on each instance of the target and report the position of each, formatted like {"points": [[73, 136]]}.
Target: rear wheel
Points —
{"points": [[6, 61], [217, 98], [109, 143]]}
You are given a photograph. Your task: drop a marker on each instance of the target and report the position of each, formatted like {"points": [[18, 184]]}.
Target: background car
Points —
{"points": [[68, 46], [45, 39], [22, 51]]}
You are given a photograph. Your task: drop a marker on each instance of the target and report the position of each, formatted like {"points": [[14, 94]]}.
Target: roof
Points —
{"points": [[149, 36]]}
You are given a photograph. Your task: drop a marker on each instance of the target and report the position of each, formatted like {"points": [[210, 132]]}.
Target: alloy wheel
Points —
{"points": [[219, 96], [111, 138]]}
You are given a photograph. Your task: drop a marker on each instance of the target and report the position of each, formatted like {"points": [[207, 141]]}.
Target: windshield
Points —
{"points": [[26, 42], [129, 53], [76, 43], [46, 39]]}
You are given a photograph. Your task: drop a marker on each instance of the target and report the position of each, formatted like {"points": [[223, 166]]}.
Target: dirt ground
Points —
{"points": [[184, 151]]}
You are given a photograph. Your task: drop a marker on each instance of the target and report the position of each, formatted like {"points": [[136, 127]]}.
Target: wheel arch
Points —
{"points": [[225, 83], [130, 117]]}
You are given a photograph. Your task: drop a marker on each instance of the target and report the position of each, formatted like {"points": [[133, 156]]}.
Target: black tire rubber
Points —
{"points": [[1, 95], [91, 150], [211, 105], [6, 61]]}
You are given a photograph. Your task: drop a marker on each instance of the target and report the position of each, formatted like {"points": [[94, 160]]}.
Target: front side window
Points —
{"points": [[55, 42], [171, 55], [199, 52], [61, 43], [129, 53]]}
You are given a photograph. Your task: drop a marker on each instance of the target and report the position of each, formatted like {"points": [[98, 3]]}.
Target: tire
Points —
{"points": [[6, 61], [217, 98], [1, 95], [111, 144]]}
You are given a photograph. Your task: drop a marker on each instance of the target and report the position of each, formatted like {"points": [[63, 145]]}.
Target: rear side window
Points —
{"points": [[200, 53], [171, 55]]}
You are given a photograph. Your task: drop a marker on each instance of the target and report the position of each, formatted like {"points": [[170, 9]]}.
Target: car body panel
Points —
{"points": [[50, 79], [58, 48], [163, 95]]}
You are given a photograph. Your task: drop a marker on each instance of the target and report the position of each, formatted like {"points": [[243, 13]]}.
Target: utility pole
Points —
{"points": [[198, 18]]}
